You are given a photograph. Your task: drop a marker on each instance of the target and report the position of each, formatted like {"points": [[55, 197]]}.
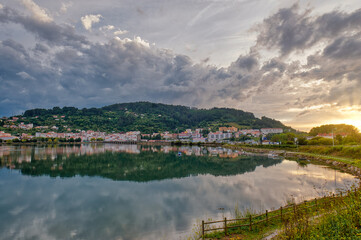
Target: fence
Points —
{"points": [[269, 216]]}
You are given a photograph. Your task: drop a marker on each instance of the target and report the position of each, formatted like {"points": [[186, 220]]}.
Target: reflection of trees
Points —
{"points": [[145, 166]]}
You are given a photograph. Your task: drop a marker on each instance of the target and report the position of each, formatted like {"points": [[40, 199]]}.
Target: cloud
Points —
{"points": [[39, 13], [65, 6], [54, 34], [107, 28], [88, 20], [70, 67], [291, 29], [120, 32], [25, 75]]}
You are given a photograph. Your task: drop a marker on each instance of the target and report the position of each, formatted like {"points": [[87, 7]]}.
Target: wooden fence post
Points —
{"points": [[294, 208], [225, 226], [250, 222], [281, 215], [267, 217], [202, 229]]}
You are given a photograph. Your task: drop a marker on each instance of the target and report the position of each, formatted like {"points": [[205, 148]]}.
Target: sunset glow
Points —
{"points": [[298, 62]]}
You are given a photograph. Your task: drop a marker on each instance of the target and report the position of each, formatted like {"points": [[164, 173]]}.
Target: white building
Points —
{"points": [[218, 136], [266, 131]]}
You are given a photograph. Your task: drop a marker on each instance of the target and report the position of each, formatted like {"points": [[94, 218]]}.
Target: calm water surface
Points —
{"points": [[109, 191]]}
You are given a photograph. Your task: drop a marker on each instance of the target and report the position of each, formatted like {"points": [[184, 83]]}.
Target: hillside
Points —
{"points": [[146, 117], [335, 128]]}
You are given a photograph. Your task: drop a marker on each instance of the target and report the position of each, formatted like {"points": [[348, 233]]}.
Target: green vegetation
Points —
{"points": [[343, 135], [330, 217], [145, 117], [341, 219], [283, 138], [352, 152], [335, 128]]}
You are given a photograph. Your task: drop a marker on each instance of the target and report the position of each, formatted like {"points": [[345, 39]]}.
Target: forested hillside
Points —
{"points": [[146, 117]]}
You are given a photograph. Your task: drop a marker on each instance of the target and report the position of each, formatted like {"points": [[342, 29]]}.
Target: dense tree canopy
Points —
{"points": [[145, 117], [335, 128]]}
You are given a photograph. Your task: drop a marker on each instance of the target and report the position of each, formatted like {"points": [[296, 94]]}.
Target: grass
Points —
{"points": [[353, 152], [341, 219], [331, 217], [350, 155], [262, 223]]}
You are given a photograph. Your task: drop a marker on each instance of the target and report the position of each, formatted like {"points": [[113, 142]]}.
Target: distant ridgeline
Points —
{"points": [[146, 117]]}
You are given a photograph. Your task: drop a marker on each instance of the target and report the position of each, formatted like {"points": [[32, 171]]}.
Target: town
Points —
{"points": [[199, 135]]}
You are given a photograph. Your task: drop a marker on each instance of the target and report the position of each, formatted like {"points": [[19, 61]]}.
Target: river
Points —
{"points": [[111, 191]]}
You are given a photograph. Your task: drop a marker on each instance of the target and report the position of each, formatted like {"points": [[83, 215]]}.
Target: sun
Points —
{"points": [[353, 122]]}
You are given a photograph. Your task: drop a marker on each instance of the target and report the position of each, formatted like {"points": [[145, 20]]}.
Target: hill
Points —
{"points": [[145, 117], [335, 128]]}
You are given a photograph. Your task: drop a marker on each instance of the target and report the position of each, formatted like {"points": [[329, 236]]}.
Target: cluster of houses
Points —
{"points": [[223, 134], [195, 136], [88, 136], [20, 126], [6, 136]]}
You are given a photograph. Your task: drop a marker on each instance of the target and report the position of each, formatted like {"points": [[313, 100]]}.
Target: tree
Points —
{"points": [[284, 138], [157, 137], [334, 128], [205, 133], [320, 141], [338, 139], [302, 141]]}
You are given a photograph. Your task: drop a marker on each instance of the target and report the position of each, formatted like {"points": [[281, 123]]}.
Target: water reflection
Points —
{"points": [[43, 152], [142, 207], [131, 162]]}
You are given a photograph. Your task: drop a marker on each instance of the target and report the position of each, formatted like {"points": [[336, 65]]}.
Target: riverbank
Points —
{"points": [[298, 221], [303, 226], [344, 164]]}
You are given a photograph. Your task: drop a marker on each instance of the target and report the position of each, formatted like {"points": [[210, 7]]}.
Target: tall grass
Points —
{"points": [[353, 152], [340, 219]]}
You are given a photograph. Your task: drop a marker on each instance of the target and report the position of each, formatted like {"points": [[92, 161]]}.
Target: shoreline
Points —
{"points": [[339, 163], [342, 164]]}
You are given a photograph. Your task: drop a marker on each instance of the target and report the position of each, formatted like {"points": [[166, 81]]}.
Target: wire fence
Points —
{"points": [[248, 223]]}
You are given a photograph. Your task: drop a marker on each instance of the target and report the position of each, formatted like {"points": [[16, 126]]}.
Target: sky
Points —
{"points": [[298, 62]]}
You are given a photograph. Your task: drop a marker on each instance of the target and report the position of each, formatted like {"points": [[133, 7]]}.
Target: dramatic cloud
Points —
{"points": [[54, 34], [291, 30], [299, 59]]}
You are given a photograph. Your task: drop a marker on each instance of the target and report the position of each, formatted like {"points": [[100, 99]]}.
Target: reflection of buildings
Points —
{"points": [[19, 154]]}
